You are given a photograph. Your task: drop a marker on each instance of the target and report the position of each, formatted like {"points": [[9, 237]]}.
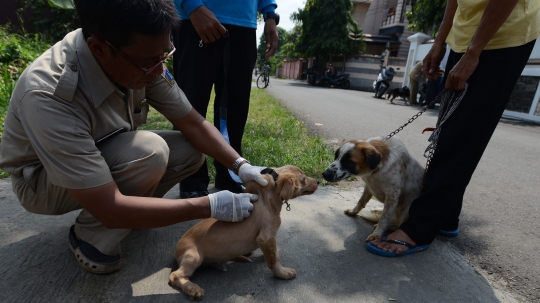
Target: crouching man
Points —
{"points": [[71, 142]]}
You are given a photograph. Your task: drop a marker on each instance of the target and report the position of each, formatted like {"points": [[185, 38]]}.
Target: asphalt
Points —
{"points": [[324, 246]]}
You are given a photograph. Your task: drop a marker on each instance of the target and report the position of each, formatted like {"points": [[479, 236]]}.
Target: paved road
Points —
{"points": [[500, 228]]}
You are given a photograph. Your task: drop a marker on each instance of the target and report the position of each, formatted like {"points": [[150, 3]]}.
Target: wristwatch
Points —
{"points": [[271, 15], [236, 164]]}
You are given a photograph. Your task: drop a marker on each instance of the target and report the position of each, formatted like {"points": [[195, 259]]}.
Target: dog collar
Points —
{"points": [[269, 171], [275, 176]]}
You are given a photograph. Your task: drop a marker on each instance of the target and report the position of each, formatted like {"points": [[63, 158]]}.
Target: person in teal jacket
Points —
{"points": [[216, 46]]}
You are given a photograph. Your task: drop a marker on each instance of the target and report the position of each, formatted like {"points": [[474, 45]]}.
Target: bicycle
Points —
{"points": [[264, 78]]}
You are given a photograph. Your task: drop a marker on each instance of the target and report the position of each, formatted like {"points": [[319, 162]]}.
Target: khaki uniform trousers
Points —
{"points": [[142, 163]]}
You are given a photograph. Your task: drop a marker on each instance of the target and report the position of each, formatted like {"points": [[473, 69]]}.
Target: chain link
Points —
{"points": [[415, 116]]}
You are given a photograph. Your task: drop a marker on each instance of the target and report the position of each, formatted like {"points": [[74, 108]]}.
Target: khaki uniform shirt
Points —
{"points": [[64, 102]]}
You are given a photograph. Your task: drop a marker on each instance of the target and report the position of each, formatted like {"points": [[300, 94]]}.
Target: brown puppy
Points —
{"points": [[213, 243]]}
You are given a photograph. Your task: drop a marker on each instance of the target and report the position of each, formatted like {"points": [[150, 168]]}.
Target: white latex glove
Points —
{"points": [[248, 172], [230, 207]]}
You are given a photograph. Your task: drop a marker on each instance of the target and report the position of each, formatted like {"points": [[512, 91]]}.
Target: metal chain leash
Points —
{"points": [[417, 115], [443, 99]]}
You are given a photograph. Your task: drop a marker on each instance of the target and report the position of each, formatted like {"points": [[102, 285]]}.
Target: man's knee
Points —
{"points": [[140, 152]]}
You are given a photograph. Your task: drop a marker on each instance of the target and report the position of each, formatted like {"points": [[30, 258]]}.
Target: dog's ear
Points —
{"points": [[372, 156], [287, 185]]}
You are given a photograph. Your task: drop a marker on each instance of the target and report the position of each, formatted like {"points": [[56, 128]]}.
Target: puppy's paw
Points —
{"points": [[372, 237], [193, 290], [349, 212], [286, 273]]}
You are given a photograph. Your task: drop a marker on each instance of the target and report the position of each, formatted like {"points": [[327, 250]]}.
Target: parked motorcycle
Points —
{"points": [[337, 81], [381, 85], [311, 78]]}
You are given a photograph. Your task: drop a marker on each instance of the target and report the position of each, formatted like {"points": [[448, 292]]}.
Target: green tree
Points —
{"points": [[426, 16], [327, 27]]}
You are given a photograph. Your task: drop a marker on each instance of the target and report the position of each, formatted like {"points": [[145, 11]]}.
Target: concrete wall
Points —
{"points": [[360, 10], [292, 69], [364, 70]]}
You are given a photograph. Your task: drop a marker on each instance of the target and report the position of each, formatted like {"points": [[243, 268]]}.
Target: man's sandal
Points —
{"points": [[90, 258]]}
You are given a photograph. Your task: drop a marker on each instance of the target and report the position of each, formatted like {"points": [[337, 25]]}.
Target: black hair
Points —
{"points": [[116, 20]]}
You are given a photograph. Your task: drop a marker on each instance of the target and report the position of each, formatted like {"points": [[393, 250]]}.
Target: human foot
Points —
{"points": [[398, 235]]}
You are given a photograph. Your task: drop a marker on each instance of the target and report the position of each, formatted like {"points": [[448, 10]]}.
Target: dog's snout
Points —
{"points": [[328, 175]]}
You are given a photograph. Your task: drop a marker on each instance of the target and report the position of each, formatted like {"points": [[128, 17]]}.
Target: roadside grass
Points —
{"points": [[273, 137]]}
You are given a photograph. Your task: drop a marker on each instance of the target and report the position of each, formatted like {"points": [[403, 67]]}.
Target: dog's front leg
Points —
{"points": [[188, 263], [366, 196], [390, 204], [269, 249]]}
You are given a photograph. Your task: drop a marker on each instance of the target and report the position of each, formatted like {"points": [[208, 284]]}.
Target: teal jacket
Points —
{"points": [[234, 12]]}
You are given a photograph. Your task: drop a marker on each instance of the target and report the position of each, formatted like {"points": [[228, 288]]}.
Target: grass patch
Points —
{"points": [[273, 137]]}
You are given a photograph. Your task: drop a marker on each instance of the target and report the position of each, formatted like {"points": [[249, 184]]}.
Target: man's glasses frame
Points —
{"points": [[144, 69]]}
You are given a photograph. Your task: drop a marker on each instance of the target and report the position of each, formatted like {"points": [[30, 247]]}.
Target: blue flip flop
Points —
{"points": [[412, 249], [449, 233]]}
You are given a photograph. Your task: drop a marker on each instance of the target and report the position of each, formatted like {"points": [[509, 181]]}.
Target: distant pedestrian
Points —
{"points": [[414, 76]]}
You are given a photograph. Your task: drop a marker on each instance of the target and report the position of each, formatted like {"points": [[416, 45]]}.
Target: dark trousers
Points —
{"points": [[463, 139], [197, 69]]}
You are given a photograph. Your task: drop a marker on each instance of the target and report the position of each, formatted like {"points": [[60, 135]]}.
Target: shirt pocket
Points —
{"points": [[140, 112]]}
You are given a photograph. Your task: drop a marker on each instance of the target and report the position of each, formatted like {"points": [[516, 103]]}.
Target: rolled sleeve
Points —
{"points": [[168, 99], [60, 135]]}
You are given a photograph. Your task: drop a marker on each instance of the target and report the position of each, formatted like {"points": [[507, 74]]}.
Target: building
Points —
{"points": [[382, 22]]}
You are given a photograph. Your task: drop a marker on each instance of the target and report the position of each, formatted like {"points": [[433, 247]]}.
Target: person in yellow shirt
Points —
{"points": [[490, 41]]}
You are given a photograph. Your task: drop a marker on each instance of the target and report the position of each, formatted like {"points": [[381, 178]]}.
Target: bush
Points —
{"points": [[53, 23], [16, 53]]}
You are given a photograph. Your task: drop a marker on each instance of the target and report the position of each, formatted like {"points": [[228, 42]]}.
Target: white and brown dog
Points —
{"points": [[389, 172], [214, 243]]}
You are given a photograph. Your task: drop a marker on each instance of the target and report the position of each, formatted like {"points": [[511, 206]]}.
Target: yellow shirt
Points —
{"points": [[521, 27]]}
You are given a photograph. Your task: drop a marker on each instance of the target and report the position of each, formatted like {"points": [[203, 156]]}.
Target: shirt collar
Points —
{"points": [[99, 84]]}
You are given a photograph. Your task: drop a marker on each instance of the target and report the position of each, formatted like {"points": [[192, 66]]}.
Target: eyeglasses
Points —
{"points": [[145, 70]]}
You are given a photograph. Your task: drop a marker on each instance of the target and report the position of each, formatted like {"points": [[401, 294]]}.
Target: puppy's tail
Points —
{"points": [[373, 211]]}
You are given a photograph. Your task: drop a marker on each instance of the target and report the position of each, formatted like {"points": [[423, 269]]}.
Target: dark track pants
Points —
{"points": [[463, 139], [197, 69]]}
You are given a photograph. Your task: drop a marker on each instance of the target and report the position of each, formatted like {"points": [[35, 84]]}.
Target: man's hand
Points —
{"points": [[207, 25], [247, 172], [226, 206], [270, 32]]}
